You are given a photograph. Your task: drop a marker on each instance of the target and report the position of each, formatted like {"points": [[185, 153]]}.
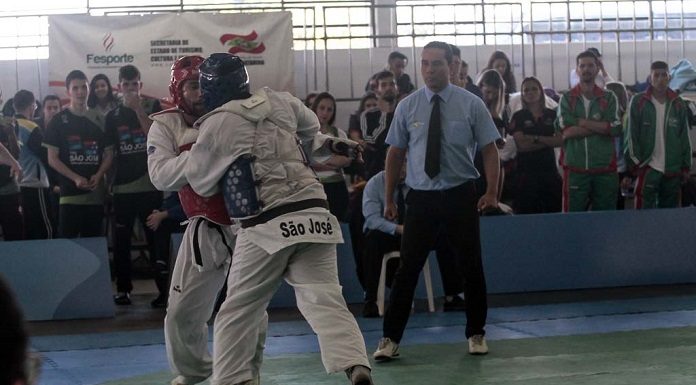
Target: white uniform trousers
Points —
{"points": [[192, 297], [253, 279]]}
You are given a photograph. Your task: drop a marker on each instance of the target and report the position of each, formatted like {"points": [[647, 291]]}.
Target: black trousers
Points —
{"points": [[36, 207], [11, 219], [430, 214], [378, 243], [128, 207], [80, 221], [538, 193], [337, 195]]}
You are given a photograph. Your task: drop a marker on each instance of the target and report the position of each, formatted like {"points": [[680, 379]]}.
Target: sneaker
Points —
{"points": [[455, 304], [160, 302], [386, 350], [477, 344], [122, 299], [359, 375], [370, 310]]}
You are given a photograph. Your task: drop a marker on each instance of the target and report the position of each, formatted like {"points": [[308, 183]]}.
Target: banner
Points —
{"points": [[102, 44]]}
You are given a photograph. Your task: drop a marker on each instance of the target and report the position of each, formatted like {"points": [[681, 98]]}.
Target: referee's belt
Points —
{"points": [[282, 210]]}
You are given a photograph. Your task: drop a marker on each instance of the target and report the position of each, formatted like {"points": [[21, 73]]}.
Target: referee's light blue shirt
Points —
{"points": [[466, 124]]}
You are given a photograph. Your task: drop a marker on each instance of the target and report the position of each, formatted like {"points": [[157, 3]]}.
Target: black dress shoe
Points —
{"points": [[370, 310], [456, 304]]}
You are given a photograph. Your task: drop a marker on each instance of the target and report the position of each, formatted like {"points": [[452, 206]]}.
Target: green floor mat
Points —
{"points": [[650, 357]]}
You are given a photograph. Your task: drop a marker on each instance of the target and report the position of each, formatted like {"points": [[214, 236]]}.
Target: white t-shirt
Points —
{"points": [[657, 161], [586, 102]]}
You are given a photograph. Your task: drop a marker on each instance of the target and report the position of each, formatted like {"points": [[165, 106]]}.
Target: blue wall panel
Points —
{"points": [[59, 278]]}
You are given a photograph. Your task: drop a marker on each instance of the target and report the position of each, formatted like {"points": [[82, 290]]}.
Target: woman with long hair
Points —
{"points": [[500, 62], [101, 94], [330, 171], [539, 185]]}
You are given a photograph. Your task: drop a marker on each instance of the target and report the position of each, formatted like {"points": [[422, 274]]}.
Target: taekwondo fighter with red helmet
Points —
{"points": [[203, 259], [256, 149]]}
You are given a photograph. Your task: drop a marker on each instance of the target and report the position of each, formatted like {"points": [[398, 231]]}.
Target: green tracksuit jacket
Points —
{"points": [[595, 153], [640, 129]]}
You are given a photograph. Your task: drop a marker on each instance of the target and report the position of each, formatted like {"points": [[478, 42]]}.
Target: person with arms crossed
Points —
{"points": [[588, 121]]}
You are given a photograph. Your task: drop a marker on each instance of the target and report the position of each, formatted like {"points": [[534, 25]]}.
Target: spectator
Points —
{"points": [[81, 154], [101, 95], [588, 121], [657, 136], [309, 99], [356, 170], [330, 172], [164, 222], [383, 235], [375, 124], [371, 85], [33, 158], [135, 197], [602, 77], [51, 107], [367, 102], [464, 78], [499, 61], [493, 88], [8, 109], [11, 219], [538, 188], [396, 63], [619, 90]]}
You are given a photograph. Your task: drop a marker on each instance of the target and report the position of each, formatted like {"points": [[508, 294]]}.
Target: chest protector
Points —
{"points": [[273, 167], [211, 208]]}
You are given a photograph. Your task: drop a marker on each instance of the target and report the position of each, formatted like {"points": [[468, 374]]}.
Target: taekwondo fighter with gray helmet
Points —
{"points": [[256, 149], [203, 259]]}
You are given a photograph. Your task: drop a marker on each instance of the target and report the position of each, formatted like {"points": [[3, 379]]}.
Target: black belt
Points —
{"points": [[284, 209]]}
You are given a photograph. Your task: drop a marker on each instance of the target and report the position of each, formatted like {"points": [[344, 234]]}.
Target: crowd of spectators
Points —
{"points": [[80, 169]]}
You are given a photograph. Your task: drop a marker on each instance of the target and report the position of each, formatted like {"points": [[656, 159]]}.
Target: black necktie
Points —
{"points": [[432, 150], [400, 204]]}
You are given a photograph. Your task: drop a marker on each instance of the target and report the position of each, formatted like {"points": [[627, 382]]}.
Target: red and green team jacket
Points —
{"points": [[594, 153], [639, 132]]}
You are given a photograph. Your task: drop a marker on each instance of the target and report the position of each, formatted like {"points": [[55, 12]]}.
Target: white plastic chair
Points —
{"points": [[383, 282]]}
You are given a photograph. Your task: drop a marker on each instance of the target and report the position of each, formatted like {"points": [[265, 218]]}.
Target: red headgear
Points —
{"points": [[185, 68]]}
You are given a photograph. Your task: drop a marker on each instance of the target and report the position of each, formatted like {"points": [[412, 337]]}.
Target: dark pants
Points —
{"points": [[429, 214], [337, 195], [36, 207], [378, 243], [128, 207], [11, 219], [80, 221], [538, 193], [357, 238], [160, 262]]}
